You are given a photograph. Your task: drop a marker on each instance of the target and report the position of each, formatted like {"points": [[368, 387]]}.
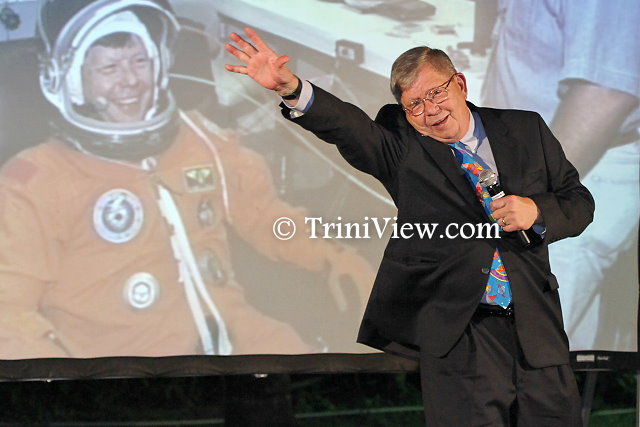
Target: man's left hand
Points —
{"points": [[515, 213]]}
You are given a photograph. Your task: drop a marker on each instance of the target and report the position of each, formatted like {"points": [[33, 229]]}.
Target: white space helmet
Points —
{"points": [[68, 28]]}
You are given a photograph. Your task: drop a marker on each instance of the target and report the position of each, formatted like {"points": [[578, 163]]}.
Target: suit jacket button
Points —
{"points": [[486, 270]]}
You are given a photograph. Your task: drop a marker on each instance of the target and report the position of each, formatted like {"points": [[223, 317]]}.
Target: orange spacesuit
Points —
{"points": [[91, 262]]}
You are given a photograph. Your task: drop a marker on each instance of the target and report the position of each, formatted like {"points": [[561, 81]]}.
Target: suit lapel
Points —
{"points": [[505, 151], [445, 160]]}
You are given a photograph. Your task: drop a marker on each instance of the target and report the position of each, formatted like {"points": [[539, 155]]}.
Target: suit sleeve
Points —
{"points": [[567, 208], [255, 206], [373, 147], [27, 265]]}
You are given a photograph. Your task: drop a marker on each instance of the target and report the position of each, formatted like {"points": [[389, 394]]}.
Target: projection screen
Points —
{"points": [[188, 249]]}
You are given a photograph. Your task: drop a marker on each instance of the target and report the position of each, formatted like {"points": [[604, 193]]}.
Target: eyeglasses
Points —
{"points": [[437, 95]]}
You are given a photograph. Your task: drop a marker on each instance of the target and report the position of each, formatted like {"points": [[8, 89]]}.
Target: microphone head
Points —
{"points": [[488, 178]]}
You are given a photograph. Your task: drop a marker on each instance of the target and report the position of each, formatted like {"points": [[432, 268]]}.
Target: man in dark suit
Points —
{"points": [[481, 314]]}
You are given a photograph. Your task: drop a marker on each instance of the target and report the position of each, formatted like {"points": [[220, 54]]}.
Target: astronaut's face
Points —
{"points": [[118, 81]]}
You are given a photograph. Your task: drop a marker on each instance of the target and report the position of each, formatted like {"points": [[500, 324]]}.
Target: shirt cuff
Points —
{"points": [[305, 100], [541, 229]]}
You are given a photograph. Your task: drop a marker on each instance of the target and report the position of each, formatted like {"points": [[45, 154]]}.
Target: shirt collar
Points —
{"points": [[477, 144], [471, 138]]}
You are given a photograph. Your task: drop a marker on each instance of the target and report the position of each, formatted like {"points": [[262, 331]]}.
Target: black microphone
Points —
{"points": [[489, 180]]}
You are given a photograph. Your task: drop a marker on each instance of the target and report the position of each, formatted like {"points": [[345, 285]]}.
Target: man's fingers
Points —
{"points": [[246, 47], [280, 61], [520, 213], [510, 228], [237, 52], [499, 203], [257, 46], [241, 69], [508, 225], [500, 213], [235, 37], [257, 40]]}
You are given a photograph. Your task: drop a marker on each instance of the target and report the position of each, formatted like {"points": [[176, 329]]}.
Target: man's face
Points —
{"points": [[118, 81], [445, 122]]}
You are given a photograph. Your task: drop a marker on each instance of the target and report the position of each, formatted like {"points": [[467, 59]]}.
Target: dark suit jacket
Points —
{"points": [[426, 290]]}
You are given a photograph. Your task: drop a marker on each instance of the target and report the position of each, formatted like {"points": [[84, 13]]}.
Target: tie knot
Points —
{"points": [[459, 146]]}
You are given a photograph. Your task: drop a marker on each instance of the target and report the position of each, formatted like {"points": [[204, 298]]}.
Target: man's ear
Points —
{"points": [[461, 81]]}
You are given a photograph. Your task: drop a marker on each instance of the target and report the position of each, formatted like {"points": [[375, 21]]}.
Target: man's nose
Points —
{"points": [[431, 108], [128, 75]]}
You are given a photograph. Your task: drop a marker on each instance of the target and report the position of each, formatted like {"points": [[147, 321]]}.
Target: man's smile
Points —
{"points": [[441, 122]]}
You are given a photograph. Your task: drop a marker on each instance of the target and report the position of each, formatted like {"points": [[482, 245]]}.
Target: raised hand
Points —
{"points": [[262, 64]]}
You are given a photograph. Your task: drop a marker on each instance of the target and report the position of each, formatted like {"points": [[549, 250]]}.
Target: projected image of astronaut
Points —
{"points": [[114, 231]]}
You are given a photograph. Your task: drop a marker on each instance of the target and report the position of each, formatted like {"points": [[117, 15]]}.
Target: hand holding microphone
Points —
{"points": [[513, 213]]}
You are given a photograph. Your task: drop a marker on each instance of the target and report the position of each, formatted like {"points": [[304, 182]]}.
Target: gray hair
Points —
{"points": [[407, 66]]}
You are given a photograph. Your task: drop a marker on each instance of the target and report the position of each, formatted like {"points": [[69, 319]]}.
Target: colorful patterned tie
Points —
{"points": [[498, 290]]}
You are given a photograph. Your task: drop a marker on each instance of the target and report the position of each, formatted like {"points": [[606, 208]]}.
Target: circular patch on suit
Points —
{"points": [[141, 290], [118, 216]]}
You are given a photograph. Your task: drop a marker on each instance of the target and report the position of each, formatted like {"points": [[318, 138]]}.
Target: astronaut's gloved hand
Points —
{"points": [[345, 261]]}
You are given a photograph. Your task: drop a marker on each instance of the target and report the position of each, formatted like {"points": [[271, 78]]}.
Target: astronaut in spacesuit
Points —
{"points": [[113, 232]]}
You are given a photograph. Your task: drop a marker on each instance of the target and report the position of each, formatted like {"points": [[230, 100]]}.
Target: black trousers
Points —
{"points": [[485, 381]]}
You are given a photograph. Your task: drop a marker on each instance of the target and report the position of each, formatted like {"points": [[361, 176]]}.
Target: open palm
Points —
{"points": [[262, 64]]}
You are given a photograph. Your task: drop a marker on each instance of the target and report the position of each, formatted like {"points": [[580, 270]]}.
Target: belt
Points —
{"points": [[494, 310]]}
